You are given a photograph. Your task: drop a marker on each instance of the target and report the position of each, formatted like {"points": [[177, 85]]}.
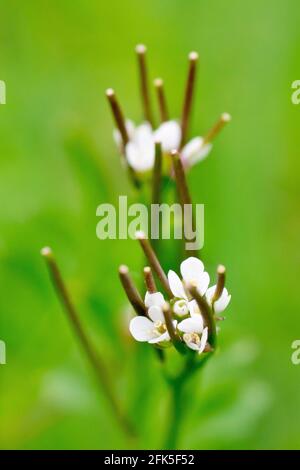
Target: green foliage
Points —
{"points": [[58, 162]]}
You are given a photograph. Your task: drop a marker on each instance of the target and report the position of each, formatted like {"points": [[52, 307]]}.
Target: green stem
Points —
{"points": [[177, 388], [88, 348], [186, 203], [176, 415], [177, 385]]}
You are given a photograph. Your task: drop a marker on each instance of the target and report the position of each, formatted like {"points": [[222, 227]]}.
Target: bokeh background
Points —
{"points": [[58, 162]]}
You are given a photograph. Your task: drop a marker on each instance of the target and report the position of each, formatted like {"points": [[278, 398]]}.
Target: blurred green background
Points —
{"points": [[58, 162]]}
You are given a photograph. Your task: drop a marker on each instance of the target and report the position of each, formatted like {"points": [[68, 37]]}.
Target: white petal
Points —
{"points": [[156, 314], [192, 345], [201, 155], [194, 151], [117, 138], [164, 337], [140, 152], [192, 147], [141, 328], [143, 133], [140, 159], [191, 325], [191, 269], [195, 313], [203, 340], [132, 152], [222, 302], [176, 285], [202, 283], [169, 134], [154, 299], [130, 127], [194, 308], [210, 293]]}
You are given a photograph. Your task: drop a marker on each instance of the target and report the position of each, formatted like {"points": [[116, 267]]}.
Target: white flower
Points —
{"points": [[220, 304], [169, 134], [192, 271], [152, 329], [130, 128], [194, 151], [181, 308], [195, 336], [155, 299], [140, 150]]}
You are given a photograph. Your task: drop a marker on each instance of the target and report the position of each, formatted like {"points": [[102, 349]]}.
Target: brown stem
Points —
{"points": [[218, 318], [206, 312], [220, 283], [171, 330], [161, 98], [208, 348], [215, 130], [185, 198], [75, 322], [120, 123], [149, 280], [188, 97], [153, 260], [131, 291], [180, 177], [169, 323], [118, 115], [141, 56], [157, 171], [156, 193]]}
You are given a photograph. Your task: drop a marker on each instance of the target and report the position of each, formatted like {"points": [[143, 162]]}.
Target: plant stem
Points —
{"points": [[92, 355], [188, 97], [220, 283], [177, 385], [207, 314], [118, 115], [176, 415], [141, 56], [215, 130], [121, 126], [149, 280], [156, 176], [156, 195], [185, 201], [131, 291], [163, 109], [177, 388], [154, 262], [171, 329]]}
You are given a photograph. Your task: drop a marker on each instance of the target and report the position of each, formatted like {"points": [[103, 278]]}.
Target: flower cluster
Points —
{"points": [[187, 317], [137, 142], [140, 149], [191, 312], [185, 313]]}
